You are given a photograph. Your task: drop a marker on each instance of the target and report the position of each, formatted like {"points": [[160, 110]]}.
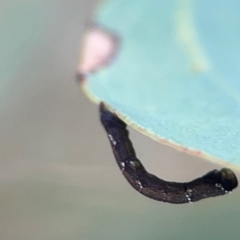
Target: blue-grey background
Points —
{"points": [[58, 177]]}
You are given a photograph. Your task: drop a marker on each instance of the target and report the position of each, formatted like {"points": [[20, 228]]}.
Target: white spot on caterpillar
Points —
{"points": [[189, 191], [218, 185], [140, 185], [188, 198], [123, 166], [112, 139], [165, 195]]}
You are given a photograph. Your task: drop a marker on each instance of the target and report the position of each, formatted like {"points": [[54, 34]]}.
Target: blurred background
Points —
{"points": [[58, 176]]}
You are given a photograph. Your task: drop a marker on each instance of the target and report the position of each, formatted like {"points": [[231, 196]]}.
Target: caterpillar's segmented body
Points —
{"points": [[214, 183]]}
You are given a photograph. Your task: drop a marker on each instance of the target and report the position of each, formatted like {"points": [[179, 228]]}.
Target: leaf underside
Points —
{"points": [[176, 75]]}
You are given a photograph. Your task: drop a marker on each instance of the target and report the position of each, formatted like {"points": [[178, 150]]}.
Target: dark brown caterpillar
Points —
{"points": [[214, 183]]}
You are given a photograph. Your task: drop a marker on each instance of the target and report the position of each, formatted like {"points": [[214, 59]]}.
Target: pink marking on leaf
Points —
{"points": [[99, 48]]}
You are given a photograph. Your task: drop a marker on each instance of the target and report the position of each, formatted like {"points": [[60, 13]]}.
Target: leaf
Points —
{"points": [[176, 75]]}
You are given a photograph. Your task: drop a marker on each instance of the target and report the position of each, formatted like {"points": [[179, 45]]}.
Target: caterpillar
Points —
{"points": [[212, 184]]}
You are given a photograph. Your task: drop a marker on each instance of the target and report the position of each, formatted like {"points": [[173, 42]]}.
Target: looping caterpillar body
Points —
{"points": [[214, 183]]}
